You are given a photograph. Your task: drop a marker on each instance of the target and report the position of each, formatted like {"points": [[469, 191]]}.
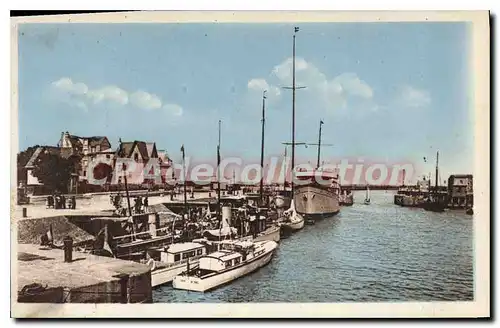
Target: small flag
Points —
{"points": [[296, 29], [182, 148], [321, 122], [106, 245]]}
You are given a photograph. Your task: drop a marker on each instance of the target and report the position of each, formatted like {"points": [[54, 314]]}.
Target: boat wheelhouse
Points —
{"points": [[172, 260]]}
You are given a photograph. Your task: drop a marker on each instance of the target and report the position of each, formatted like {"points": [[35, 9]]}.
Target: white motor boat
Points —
{"points": [[233, 260], [173, 261]]}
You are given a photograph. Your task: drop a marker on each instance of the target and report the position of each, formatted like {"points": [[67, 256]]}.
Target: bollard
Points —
{"points": [[68, 249], [25, 212], [124, 293]]}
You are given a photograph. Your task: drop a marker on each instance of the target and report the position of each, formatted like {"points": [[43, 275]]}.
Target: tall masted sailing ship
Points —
{"points": [[317, 194]]}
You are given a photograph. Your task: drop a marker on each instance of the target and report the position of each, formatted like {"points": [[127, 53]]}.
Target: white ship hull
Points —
{"points": [[271, 233], [316, 202], [162, 276], [217, 279]]}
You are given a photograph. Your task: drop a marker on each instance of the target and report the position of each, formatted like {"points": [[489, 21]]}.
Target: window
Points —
{"points": [[199, 252], [185, 256], [228, 263], [177, 257], [136, 157], [84, 173], [98, 148], [93, 149], [237, 261], [107, 156]]}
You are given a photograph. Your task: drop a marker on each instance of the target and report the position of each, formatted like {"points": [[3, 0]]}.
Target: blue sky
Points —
{"points": [[389, 91]]}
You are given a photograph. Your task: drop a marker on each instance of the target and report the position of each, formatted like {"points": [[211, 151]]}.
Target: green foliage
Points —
{"points": [[54, 171], [22, 159]]}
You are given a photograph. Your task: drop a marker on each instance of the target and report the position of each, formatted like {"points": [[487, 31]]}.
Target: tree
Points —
{"points": [[23, 159], [54, 171]]}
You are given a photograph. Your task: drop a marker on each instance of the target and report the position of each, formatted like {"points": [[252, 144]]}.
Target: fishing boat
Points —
{"points": [[233, 260], [434, 203], [367, 196], [346, 198], [173, 261], [292, 220]]}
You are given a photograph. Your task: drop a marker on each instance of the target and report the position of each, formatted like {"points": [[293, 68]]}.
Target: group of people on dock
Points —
{"points": [[139, 206], [59, 201]]}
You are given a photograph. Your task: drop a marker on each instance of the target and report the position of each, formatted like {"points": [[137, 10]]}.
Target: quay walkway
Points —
{"points": [[44, 277]]}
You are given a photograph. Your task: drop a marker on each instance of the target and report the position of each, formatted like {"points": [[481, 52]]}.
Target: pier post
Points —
{"points": [[124, 293], [68, 249]]}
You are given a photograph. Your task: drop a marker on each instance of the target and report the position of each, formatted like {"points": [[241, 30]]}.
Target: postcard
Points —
{"points": [[251, 164]]}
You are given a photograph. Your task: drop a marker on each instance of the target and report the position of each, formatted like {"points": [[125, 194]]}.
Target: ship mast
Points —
{"points": [[319, 144], [262, 146], [294, 88], [437, 176], [184, 178], [218, 175]]}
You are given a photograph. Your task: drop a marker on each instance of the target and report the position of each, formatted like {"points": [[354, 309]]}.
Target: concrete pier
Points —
{"points": [[44, 277]]}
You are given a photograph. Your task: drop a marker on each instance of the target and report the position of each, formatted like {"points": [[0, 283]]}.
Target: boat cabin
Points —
{"points": [[229, 255], [220, 260], [327, 179], [182, 251]]}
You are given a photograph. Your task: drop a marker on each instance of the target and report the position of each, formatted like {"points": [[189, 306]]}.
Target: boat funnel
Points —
{"points": [[226, 216]]}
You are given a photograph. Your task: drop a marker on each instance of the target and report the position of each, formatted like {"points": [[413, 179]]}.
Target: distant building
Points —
{"points": [[141, 152], [460, 189], [87, 148]]}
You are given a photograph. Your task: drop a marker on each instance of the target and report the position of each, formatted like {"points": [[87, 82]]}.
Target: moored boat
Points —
{"points": [[173, 261], [317, 196], [293, 221], [235, 259]]}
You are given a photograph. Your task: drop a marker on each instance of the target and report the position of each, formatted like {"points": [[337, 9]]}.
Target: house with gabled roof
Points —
{"points": [[141, 152], [87, 148]]}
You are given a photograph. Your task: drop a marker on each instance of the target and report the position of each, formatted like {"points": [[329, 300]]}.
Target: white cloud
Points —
{"points": [[145, 100], [81, 96], [110, 93], [413, 97], [173, 109], [66, 84], [329, 93]]}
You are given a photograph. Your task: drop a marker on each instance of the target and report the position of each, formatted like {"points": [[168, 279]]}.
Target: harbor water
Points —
{"points": [[366, 253]]}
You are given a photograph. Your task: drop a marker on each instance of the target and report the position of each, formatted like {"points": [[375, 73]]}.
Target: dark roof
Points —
{"points": [[50, 149], [93, 141], [126, 149], [461, 176]]}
